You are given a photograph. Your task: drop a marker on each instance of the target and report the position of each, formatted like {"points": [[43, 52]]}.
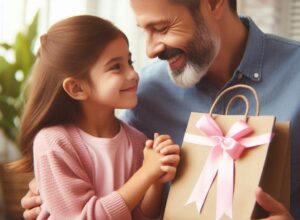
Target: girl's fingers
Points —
{"points": [[160, 138], [168, 169], [162, 144], [149, 144], [170, 160], [169, 173], [170, 149]]}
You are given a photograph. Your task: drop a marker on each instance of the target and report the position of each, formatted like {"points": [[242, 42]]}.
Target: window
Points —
{"points": [[293, 15], [273, 16]]}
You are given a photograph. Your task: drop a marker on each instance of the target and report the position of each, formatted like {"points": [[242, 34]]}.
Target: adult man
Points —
{"points": [[208, 48]]}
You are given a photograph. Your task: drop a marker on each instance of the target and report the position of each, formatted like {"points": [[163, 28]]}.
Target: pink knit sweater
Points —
{"points": [[64, 171]]}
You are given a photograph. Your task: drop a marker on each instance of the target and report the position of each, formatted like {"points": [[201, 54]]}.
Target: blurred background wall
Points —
{"points": [[273, 16]]}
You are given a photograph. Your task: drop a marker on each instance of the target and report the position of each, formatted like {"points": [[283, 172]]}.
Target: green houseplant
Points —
{"points": [[14, 75]]}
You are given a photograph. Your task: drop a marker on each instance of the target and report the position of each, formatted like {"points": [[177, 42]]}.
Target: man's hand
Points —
{"points": [[276, 209], [31, 202]]}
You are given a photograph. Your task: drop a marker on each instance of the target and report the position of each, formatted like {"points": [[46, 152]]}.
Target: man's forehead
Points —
{"points": [[147, 12], [152, 12], [140, 6]]}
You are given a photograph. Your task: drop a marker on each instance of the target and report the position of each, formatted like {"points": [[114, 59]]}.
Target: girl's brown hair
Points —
{"points": [[69, 48]]}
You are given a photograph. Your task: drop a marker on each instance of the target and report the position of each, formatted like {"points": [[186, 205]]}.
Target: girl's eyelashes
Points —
{"points": [[116, 66], [130, 62], [119, 65]]}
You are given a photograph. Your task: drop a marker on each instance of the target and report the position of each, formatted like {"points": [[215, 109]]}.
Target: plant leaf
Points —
{"points": [[32, 29], [11, 89]]}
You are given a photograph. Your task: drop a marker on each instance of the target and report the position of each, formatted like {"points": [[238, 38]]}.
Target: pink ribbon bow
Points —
{"points": [[220, 160]]}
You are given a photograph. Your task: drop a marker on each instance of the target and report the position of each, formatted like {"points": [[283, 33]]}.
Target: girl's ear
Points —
{"points": [[75, 88]]}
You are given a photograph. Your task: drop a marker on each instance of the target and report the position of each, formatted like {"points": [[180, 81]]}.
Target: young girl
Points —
{"points": [[87, 163]]}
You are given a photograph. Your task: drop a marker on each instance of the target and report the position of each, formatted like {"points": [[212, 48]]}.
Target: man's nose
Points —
{"points": [[154, 47]]}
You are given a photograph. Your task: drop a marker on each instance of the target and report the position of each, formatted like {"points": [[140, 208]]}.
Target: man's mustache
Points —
{"points": [[169, 53]]}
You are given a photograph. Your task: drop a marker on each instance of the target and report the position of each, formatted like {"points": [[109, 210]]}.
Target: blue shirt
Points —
{"points": [[270, 64]]}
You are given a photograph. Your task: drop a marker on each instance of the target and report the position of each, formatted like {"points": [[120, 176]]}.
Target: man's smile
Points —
{"points": [[176, 58], [177, 62]]}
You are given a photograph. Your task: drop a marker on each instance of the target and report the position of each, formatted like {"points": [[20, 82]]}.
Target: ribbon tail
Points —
{"points": [[225, 187], [205, 179], [257, 140]]}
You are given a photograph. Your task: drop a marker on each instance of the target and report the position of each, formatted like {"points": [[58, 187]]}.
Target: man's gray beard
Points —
{"points": [[189, 77], [193, 73]]}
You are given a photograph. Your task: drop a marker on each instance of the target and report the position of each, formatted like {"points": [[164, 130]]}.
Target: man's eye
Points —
{"points": [[160, 28]]}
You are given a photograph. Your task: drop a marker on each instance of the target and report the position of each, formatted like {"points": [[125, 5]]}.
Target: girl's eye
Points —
{"points": [[116, 66]]}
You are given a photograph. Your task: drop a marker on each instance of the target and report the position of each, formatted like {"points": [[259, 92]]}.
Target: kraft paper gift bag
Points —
{"points": [[224, 158]]}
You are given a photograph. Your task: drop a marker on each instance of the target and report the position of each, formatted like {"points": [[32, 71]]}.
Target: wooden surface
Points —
{"points": [[14, 187]]}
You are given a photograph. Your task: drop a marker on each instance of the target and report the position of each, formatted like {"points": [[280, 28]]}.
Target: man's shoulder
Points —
{"points": [[282, 46], [283, 54], [282, 40]]}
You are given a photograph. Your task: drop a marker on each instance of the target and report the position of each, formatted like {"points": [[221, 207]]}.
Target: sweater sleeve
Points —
{"points": [[66, 190]]}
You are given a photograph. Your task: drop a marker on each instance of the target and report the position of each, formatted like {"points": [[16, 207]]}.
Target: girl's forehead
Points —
{"points": [[115, 49]]}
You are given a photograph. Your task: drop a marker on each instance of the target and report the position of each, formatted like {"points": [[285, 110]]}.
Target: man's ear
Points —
{"points": [[75, 88], [217, 7]]}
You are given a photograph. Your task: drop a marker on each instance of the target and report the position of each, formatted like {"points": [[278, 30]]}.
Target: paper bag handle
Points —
{"points": [[242, 97], [231, 101]]}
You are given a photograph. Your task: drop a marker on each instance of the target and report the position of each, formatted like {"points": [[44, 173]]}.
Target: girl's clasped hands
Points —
{"points": [[161, 158]]}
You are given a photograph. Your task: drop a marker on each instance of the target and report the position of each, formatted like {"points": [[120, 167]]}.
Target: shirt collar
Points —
{"points": [[251, 64]]}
